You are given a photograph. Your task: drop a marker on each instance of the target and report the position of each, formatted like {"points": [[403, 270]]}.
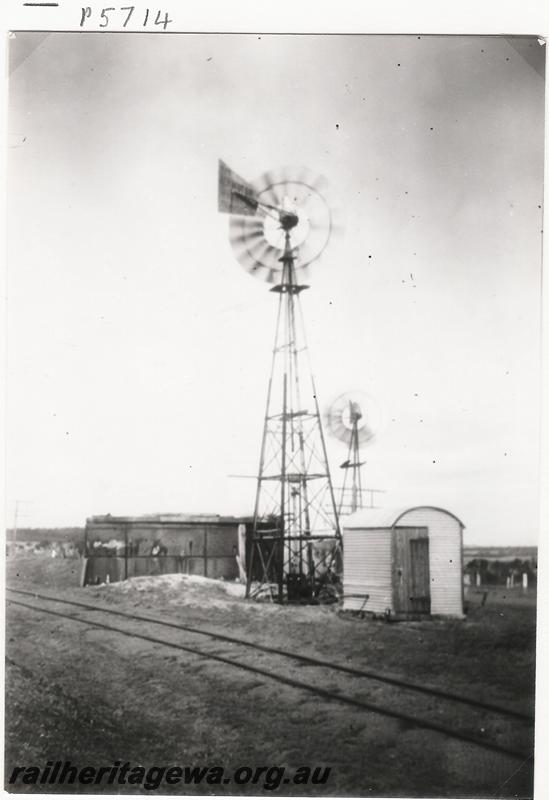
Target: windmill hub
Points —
{"points": [[351, 415], [288, 220]]}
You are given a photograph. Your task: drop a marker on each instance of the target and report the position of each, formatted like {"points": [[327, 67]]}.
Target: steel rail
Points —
{"points": [[309, 660], [313, 689]]}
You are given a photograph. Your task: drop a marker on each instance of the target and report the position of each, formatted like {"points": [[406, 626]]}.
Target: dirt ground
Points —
{"points": [[93, 697]]}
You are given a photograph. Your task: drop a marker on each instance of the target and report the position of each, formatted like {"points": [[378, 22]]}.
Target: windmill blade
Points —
{"points": [[272, 259], [304, 272], [313, 180], [301, 193], [366, 434], [304, 175], [341, 432], [242, 227], [272, 196], [304, 255], [294, 173], [245, 225], [266, 255], [241, 245], [258, 257], [300, 179], [254, 268], [278, 243], [265, 180], [310, 252], [245, 260], [238, 237], [321, 185], [335, 229], [269, 188]]}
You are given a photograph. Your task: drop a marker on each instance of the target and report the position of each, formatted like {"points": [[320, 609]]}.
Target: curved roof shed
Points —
{"points": [[406, 562]]}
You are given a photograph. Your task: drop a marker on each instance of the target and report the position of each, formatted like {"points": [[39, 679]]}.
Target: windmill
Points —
{"points": [[279, 225], [353, 418]]}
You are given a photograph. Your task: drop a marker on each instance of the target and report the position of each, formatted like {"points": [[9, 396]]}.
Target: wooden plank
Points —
{"points": [[419, 575], [401, 571], [405, 596]]}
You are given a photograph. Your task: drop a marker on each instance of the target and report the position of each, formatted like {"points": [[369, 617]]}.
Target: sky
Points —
{"points": [[139, 349]]}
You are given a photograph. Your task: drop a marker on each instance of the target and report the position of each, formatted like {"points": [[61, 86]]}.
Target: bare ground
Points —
{"points": [[92, 697]]}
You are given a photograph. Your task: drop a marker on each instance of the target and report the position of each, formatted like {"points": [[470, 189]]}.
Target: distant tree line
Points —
{"points": [[47, 535]]}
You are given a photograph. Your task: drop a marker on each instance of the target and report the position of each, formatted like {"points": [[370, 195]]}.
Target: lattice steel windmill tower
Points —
{"points": [[279, 225]]}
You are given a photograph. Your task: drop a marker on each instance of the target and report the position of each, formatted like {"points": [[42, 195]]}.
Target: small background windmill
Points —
{"points": [[354, 419]]}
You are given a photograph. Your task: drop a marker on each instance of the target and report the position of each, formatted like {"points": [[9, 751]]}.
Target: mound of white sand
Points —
{"points": [[181, 589]]}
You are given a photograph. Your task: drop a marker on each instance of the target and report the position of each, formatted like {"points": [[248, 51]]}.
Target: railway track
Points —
{"points": [[503, 730]]}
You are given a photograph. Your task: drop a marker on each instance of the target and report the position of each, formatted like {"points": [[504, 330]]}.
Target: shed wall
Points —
{"points": [[445, 538], [201, 548], [367, 570]]}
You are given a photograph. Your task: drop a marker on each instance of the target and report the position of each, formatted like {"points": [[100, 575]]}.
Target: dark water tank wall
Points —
{"points": [[195, 545]]}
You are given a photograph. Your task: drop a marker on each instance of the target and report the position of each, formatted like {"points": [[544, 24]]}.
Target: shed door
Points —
{"points": [[411, 571]]}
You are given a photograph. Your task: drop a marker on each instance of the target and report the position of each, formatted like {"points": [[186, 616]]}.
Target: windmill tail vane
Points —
{"points": [[235, 195]]}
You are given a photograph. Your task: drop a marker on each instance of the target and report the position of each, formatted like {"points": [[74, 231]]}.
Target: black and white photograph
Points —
{"points": [[273, 412]]}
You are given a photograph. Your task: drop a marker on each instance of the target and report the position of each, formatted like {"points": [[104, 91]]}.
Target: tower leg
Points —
{"points": [[296, 528]]}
